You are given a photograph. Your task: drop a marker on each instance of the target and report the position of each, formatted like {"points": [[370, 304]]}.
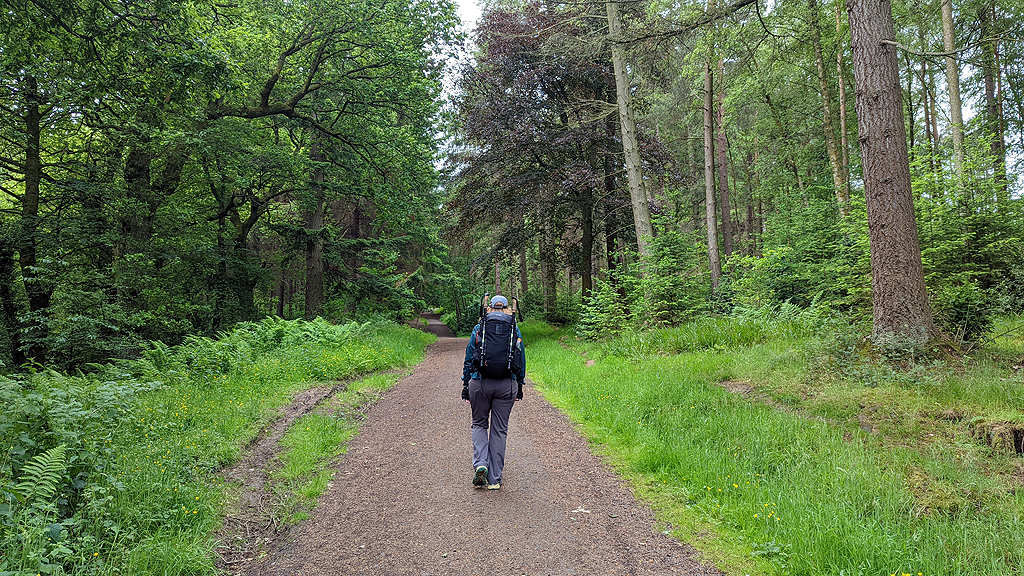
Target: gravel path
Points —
{"points": [[401, 501]]}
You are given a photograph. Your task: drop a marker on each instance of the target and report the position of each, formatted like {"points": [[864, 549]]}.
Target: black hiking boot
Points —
{"points": [[480, 477]]}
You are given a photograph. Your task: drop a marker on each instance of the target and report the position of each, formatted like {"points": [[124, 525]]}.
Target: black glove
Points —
{"points": [[465, 391], [519, 395]]}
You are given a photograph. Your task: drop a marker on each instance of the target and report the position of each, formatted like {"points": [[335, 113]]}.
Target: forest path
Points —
{"points": [[401, 500]]}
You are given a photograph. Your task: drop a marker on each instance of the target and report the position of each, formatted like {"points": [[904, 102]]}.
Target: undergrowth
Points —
{"points": [[114, 470], [797, 451]]}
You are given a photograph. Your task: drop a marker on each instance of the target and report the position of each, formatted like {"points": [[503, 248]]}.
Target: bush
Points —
{"points": [[605, 314], [673, 282], [963, 311], [1009, 293], [101, 467]]}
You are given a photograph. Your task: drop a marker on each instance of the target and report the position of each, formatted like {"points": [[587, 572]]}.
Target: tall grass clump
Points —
{"points": [[136, 491], [710, 333], [800, 495]]}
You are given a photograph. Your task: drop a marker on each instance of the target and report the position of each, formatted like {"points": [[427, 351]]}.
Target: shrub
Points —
{"points": [[673, 281], [963, 311], [605, 313]]}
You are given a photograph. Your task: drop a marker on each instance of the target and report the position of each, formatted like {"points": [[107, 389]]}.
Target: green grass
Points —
{"points": [[783, 479], [147, 439], [316, 439]]}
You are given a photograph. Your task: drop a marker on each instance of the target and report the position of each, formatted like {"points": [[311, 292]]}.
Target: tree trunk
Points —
{"points": [[627, 126], [900, 302], [137, 188], [281, 287], [709, 179], [8, 298], [548, 272], [993, 121], [928, 104], [828, 124], [956, 113], [314, 224], [722, 167], [39, 290], [587, 249], [524, 273], [844, 145]]}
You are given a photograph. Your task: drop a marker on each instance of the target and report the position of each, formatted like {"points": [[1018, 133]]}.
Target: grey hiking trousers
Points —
{"points": [[492, 402]]}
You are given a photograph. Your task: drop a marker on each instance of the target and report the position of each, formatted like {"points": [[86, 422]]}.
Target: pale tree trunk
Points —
{"points": [[314, 225], [709, 179], [956, 113], [928, 103], [844, 146], [828, 124], [899, 298], [993, 113], [722, 167], [627, 125]]}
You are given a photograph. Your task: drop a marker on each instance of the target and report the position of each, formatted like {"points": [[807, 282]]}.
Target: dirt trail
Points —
{"points": [[401, 501]]}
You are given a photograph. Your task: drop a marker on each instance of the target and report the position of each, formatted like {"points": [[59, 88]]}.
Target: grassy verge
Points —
{"points": [[797, 465], [132, 451], [316, 439]]}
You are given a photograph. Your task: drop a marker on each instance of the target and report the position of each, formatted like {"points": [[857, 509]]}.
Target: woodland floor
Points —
{"points": [[401, 501]]}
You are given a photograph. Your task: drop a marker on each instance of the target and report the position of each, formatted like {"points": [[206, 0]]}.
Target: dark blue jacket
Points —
{"points": [[471, 351]]}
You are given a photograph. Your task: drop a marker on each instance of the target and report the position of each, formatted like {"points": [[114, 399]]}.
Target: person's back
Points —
{"points": [[493, 374]]}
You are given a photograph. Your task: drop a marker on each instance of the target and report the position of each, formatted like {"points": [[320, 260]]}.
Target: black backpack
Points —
{"points": [[496, 350]]}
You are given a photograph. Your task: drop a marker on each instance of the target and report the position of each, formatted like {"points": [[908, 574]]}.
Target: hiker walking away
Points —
{"points": [[492, 381]]}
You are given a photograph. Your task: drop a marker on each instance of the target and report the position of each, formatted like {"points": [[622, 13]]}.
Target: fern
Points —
{"points": [[41, 477]]}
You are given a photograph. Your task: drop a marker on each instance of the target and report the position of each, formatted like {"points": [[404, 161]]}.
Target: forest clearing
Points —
{"points": [[767, 261]]}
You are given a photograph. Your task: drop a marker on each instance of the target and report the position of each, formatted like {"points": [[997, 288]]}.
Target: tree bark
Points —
{"points": [[928, 104], [548, 272], [900, 301], [627, 126], [587, 248], [844, 145], [711, 219], [314, 224], [828, 124], [8, 298], [524, 273], [993, 113], [956, 113], [39, 290], [722, 165]]}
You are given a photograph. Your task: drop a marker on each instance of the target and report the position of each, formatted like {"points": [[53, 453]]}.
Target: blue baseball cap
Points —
{"points": [[499, 300]]}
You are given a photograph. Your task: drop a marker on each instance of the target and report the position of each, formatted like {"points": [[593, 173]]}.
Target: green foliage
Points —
{"points": [[28, 516], [748, 327], [1008, 295], [718, 440], [604, 313], [143, 439], [963, 311], [566, 310], [808, 256], [673, 285], [379, 288]]}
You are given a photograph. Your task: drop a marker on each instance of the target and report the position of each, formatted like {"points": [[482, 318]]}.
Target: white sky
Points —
{"points": [[469, 11]]}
